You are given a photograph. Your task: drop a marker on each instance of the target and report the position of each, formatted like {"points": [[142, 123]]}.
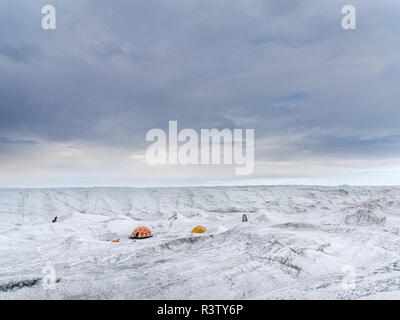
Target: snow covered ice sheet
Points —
{"points": [[298, 243]]}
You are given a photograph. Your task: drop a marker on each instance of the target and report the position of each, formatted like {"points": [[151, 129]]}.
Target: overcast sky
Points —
{"points": [[76, 102]]}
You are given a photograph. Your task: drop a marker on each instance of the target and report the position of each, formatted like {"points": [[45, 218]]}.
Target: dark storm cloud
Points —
{"points": [[293, 97], [18, 54], [4, 140], [365, 147], [113, 70]]}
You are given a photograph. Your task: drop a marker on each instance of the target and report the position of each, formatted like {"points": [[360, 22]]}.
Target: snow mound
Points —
{"points": [[365, 217]]}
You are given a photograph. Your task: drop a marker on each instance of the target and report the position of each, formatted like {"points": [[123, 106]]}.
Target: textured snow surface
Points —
{"points": [[295, 245]]}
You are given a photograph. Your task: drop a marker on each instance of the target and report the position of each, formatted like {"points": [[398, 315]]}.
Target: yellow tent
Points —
{"points": [[199, 229]]}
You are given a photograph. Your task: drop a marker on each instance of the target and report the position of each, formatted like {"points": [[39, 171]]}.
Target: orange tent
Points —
{"points": [[141, 233]]}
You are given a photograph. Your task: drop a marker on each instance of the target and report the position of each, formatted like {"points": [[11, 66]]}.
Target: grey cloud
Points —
{"points": [[4, 140], [293, 97], [110, 71]]}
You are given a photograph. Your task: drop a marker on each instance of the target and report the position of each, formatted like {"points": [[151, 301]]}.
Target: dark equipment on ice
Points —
{"points": [[54, 220], [244, 218]]}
